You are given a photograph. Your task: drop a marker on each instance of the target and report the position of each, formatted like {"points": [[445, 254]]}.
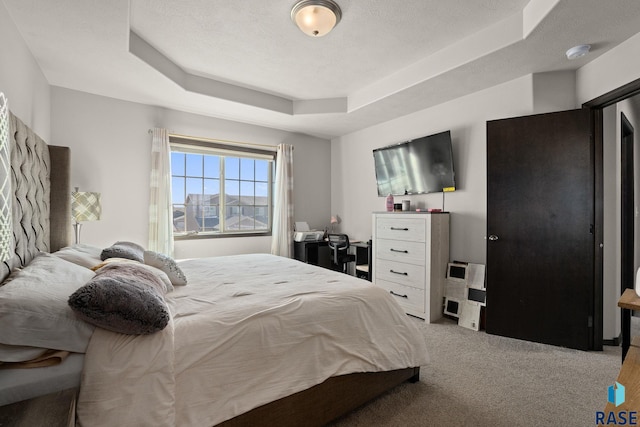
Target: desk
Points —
{"points": [[628, 302], [316, 253]]}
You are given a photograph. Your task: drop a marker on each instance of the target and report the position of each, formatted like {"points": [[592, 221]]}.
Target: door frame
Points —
{"points": [[628, 205], [596, 106]]}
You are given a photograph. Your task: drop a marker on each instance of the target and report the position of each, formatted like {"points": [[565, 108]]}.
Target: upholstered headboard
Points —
{"points": [[41, 211], [60, 230]]}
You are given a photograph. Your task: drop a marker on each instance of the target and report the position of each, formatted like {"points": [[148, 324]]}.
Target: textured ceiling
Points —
{"points": [[246, 61], [255, 43]]}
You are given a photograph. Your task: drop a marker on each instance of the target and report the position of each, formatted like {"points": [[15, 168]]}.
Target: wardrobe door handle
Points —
{"points": [[399, 229], [398, 295]]}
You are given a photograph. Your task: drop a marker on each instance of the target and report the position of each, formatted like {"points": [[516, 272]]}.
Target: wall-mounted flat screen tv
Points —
{"points": [[418, 166]]}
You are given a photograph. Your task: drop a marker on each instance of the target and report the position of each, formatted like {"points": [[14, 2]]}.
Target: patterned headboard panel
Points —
{"points": [[31, 185]]}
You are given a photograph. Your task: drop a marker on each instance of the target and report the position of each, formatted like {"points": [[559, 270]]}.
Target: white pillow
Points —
{"points": [[34, 310], [166, 264], [80, 254]]}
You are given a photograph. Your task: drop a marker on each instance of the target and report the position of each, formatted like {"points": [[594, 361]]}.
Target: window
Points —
{"points": [[220, 190]]}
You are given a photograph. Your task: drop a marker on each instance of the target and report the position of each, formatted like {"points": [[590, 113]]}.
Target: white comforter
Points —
{"points": [[245, 331]]}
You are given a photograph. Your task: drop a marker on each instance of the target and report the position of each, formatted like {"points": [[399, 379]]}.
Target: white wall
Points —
{"points": [[353, 188], [613, 69], [21, 79], [612, 210], [110, 147], [554, 91], [630, 109], [611, 220]]}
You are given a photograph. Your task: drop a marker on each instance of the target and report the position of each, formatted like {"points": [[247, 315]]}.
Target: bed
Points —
{"points": [[250, 340]]}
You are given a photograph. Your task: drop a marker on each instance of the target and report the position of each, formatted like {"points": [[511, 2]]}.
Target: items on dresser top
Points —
{"points": [[411, 252]]}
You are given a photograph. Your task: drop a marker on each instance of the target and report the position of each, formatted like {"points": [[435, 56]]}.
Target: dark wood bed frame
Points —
{"points": [[315, 406], [326, 401]]}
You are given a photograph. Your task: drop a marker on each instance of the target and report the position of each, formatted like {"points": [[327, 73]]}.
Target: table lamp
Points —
{"points": [[85, 206], [334, 221]]}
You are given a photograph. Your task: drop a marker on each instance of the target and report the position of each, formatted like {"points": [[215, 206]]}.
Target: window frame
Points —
{"points": [[201, 146]]}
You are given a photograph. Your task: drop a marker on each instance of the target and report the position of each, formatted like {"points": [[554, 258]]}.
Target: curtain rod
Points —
{"points": [[224, 141]]}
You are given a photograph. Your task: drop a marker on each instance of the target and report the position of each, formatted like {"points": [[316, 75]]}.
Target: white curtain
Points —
{"points": [[282, 233], [160, 209]]}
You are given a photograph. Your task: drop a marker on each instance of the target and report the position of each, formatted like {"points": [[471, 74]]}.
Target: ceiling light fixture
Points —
{"points": [[316, 17], [578, 51]]}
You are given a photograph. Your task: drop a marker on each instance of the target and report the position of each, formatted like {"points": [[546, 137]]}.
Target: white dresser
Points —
{"points": [[411, 252]]}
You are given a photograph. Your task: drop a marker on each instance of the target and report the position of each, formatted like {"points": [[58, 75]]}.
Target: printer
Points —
{"points": [[303, 234], [308, 236]]}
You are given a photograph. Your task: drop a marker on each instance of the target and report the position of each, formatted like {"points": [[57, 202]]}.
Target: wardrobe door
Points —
{"points": [[540, 228]]}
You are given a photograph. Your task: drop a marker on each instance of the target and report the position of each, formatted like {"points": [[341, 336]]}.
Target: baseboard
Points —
{"points": [[614, 342]]}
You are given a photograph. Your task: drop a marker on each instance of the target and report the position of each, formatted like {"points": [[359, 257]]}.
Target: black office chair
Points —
{"points": [[340, 256]]}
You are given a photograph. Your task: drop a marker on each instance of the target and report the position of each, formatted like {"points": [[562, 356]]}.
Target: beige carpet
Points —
{"points": [[477, 379]]}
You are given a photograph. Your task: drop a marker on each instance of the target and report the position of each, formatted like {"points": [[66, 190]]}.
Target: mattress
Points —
{"points": [[245, 331], [22, 384]]}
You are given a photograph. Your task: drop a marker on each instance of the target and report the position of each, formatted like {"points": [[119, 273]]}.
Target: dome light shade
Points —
{"points": [[316, 17], [578, 51]]}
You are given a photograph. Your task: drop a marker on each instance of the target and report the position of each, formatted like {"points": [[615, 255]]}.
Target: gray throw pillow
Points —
{"points": [[124, 298], [127, 250], [166, 264]]}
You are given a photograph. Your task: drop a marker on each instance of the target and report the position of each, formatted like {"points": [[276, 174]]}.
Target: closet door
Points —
{"points": [[540, 228]]}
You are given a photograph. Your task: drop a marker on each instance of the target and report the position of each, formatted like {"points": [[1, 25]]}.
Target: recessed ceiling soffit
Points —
{"points": [[492, 39]]}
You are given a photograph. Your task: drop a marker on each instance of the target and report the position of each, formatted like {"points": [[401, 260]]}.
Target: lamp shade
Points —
{"points": [[316, 17], [85, 206]]}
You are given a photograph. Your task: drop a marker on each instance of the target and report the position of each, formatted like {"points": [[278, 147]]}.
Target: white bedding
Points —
{"points": [[245, 331]]}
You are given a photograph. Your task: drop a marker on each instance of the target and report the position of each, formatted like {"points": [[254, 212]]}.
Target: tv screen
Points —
{"points": [[418, 166]]}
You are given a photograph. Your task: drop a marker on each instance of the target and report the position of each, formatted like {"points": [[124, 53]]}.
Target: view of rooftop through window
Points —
{"points": [[199, 180]]}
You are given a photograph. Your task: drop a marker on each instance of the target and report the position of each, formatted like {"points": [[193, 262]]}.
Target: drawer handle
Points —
{"points": [[398, 272], [398, 250], [398, 295], [399, 229]]}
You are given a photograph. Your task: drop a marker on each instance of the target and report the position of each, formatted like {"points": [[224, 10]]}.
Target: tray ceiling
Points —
{"points": [[246, 61]]}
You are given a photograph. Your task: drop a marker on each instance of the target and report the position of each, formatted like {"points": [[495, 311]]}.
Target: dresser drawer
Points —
{"points": [[408, 297], [401, 250], [410, 229], [400, 272]]}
